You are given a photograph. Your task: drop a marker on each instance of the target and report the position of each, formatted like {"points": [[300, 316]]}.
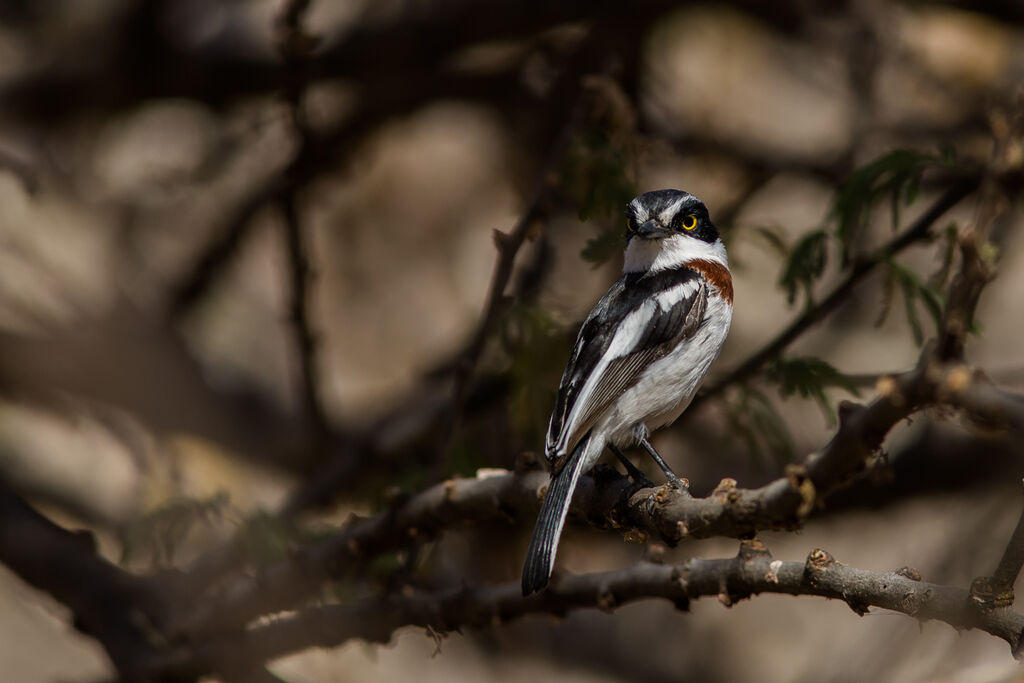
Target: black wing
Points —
{"points": [[661, 332]]}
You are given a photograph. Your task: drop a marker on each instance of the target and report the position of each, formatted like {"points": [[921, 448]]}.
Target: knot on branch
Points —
{"points": [[751, 549], [888, 388], [802, 484], [606, 600], [908, 573], [817, 561], [726, 491], [527, 461], [989, 593]]}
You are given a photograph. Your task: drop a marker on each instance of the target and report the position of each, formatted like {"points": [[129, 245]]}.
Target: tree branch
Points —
{"points": [[753, 571], [118, 609], [295, 47], [992, 592]]}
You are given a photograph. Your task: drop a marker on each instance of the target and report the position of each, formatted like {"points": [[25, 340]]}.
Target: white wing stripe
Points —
{"points": [[673, 295], [626, 338]]}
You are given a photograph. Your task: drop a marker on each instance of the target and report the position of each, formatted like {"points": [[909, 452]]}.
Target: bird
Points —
{"points": [[639, 357]]}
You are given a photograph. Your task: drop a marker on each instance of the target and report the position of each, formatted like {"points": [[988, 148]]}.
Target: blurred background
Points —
{"points": [[247, 250]]}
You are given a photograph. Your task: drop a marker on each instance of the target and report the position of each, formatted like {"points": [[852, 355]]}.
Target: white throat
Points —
{"points": [[671, 252]]}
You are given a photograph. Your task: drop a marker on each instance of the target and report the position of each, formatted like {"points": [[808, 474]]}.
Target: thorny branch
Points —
{"points": [[753, 571]]}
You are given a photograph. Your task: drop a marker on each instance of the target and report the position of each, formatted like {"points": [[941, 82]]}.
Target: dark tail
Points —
{"points": [[540, 556]]}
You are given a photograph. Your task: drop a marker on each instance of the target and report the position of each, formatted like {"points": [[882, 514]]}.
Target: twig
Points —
{"points": [[753, 571], [113, 606], [993, 592], [508, 245], [190, 290], [919, 230], [569, 88], [295, 46]]}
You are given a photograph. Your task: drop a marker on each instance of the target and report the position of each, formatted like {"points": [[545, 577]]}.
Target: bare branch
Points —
{"points": [[218, 253], [295, 46], [753, 571], [109, 604], [992, 592]]}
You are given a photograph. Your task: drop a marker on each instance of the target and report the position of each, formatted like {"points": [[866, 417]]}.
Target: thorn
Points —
{"points": [[726, 491], [502, 240], [655, 553], [885, 386], [909, 573], [819, 559], [859, 608]]}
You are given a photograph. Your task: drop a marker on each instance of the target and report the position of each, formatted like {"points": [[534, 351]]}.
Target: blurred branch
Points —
{"points": [[295, 47], [993, 592], [508, 245], [217, 254], [145, 58], [25, 172], [115, 607], [753, 571]]}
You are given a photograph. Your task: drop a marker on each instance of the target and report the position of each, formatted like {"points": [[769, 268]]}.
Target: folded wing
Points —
{"points": [[639, 320]]}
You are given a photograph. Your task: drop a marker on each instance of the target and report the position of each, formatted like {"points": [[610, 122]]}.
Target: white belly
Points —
{"points": [[668, 385]]}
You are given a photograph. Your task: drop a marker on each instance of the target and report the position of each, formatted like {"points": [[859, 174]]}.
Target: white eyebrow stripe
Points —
{"points": [[669, 213], [639, 209]]}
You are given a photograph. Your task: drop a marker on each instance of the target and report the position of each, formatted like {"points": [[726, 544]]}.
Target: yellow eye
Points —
{"points": [[630, 225], [689, 222]]}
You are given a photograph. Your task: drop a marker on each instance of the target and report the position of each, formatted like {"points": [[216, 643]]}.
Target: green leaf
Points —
{"points": [[888, 296], [896, 174], [774, 239], [161, 531], [604, 245], [809, 377], [805, 265], [754, 421], [594, 174], [266, 538], [917, 291], [537, 349]]}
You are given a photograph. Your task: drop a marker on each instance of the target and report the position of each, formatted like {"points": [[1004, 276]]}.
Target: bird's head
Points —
{"points": [[666, 228]]}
